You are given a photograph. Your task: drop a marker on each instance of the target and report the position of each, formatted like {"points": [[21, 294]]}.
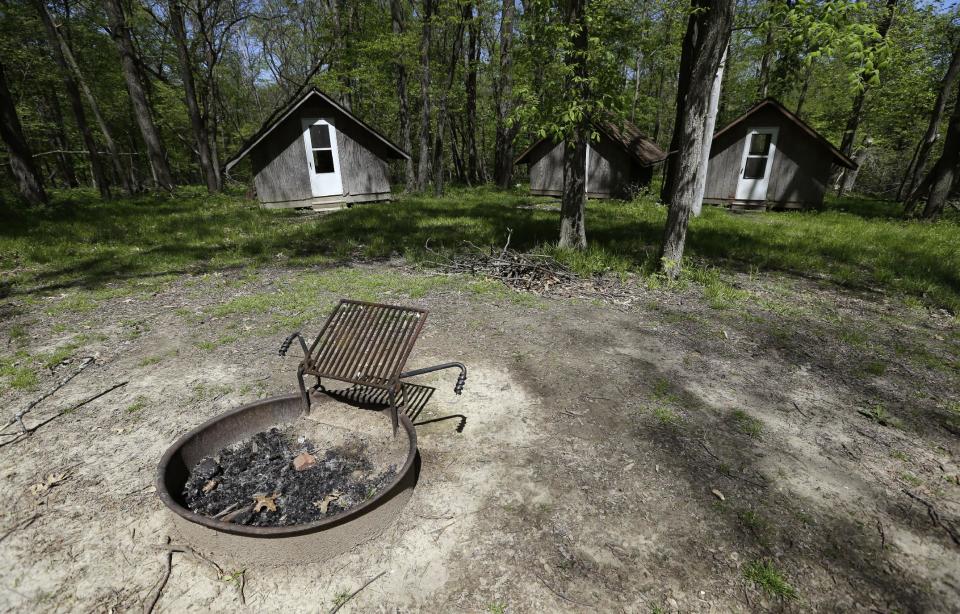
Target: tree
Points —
{"points": [[942, 177], [706, 39], [573, 232], [197, 119], [403, 111], [915, 168], [424, 168], [24, 170], [503, 148], [76, 104], [142, 111]]}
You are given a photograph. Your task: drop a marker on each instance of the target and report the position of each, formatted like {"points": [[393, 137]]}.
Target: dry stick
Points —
{"points": [[155, 596], [935, 517], [561, 595], [18, 417], [33, 429], [20, 525], [351, 596]]}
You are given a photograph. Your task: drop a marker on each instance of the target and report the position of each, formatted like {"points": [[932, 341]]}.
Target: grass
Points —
{"points": [[747, 424], [82, 241], [765, 575]]}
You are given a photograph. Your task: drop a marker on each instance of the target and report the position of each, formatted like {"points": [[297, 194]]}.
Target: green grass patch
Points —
{"points": [[765, 575], [84, 241], [137, 405], [747, 424]]}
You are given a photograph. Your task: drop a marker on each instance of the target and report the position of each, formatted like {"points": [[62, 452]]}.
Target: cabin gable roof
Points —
{"points": [[288, 109], [819, 139], [623, 133]]}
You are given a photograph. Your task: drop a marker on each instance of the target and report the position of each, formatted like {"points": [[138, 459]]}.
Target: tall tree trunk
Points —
{"points": [[943, 174], [473, 61], [930, 136], [860, 158], [197, 120], [396, 12], [120, 32], [443, 116], [60, 142], [804, 89], [424, 170], [767, 59], [118, 167], [856, 114], [706, 39], [503, 149], [711, 123], [21, 158], [573, 233], [76, 104]]}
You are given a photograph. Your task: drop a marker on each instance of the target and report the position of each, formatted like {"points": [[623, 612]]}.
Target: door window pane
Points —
{"points": [[754, 168], [322, 161], [320, 136], [759, 144]]}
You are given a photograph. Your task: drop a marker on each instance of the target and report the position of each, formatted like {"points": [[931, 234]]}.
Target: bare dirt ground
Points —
{"points": [[652, 458]]}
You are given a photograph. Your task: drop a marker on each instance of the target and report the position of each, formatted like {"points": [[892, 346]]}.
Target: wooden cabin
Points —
{"points": [[618, 164], [315, 153], [770, 158]]}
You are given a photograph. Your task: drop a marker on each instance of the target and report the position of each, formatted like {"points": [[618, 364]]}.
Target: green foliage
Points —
{"points": [[765, 575]]}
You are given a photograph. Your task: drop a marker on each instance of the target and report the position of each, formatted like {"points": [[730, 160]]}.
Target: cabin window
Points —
{"points": [[759, 144], [755, 168], [321, 149]]}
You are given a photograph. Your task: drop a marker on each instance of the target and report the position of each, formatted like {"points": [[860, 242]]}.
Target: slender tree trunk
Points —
{"points": [[473, 61], [22, 166], [424, 170], [573, 233], [443, 116], [197, 120], [396, 12], [711, 122], [120, 32], [503, 149], [118, 167], [706, 39], [60, 142], [76, 104], [804, 88], [930, 136], [856, 114], [850, 176], [767, 59], [943, 174]]}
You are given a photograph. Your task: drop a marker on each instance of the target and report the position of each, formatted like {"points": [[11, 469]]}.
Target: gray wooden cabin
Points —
{"points": [[619, 163], [315, 153], [770, 158]]}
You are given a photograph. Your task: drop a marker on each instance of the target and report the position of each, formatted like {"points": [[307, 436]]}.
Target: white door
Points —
{"points": [[320, 139], [757, 163]]}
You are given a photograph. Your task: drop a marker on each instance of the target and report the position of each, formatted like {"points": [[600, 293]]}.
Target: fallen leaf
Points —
{"points": [[210, 485], [718, 494], [304, 461], [267, 502], [325, 503]]}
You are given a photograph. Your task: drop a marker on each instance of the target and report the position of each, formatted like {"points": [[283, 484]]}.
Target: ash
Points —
{"points": [[258, 473]]}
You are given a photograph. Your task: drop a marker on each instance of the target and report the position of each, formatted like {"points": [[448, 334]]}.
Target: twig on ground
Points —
{"points": [[354, 593], [935, 517], [29, 431], [155, 595], [883, 535], [561, 595], [798, 409], [183, 549], [18, 417], [23, 524]]}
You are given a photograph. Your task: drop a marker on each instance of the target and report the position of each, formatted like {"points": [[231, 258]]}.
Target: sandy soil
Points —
{"points": [[612, 459]]}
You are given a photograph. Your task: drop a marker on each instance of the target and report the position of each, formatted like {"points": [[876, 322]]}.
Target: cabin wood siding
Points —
{"points": [[281, 174], [279, 164], [801, 166], [611, 172]]}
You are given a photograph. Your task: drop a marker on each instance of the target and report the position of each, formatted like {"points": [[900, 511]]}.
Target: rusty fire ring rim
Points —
{"points": [[287, 531]]}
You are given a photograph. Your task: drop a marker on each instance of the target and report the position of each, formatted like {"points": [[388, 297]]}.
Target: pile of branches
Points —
{"points": [[539, 274]]}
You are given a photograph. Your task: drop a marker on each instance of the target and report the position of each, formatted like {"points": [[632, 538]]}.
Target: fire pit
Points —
{"points": [[343, 436]]}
